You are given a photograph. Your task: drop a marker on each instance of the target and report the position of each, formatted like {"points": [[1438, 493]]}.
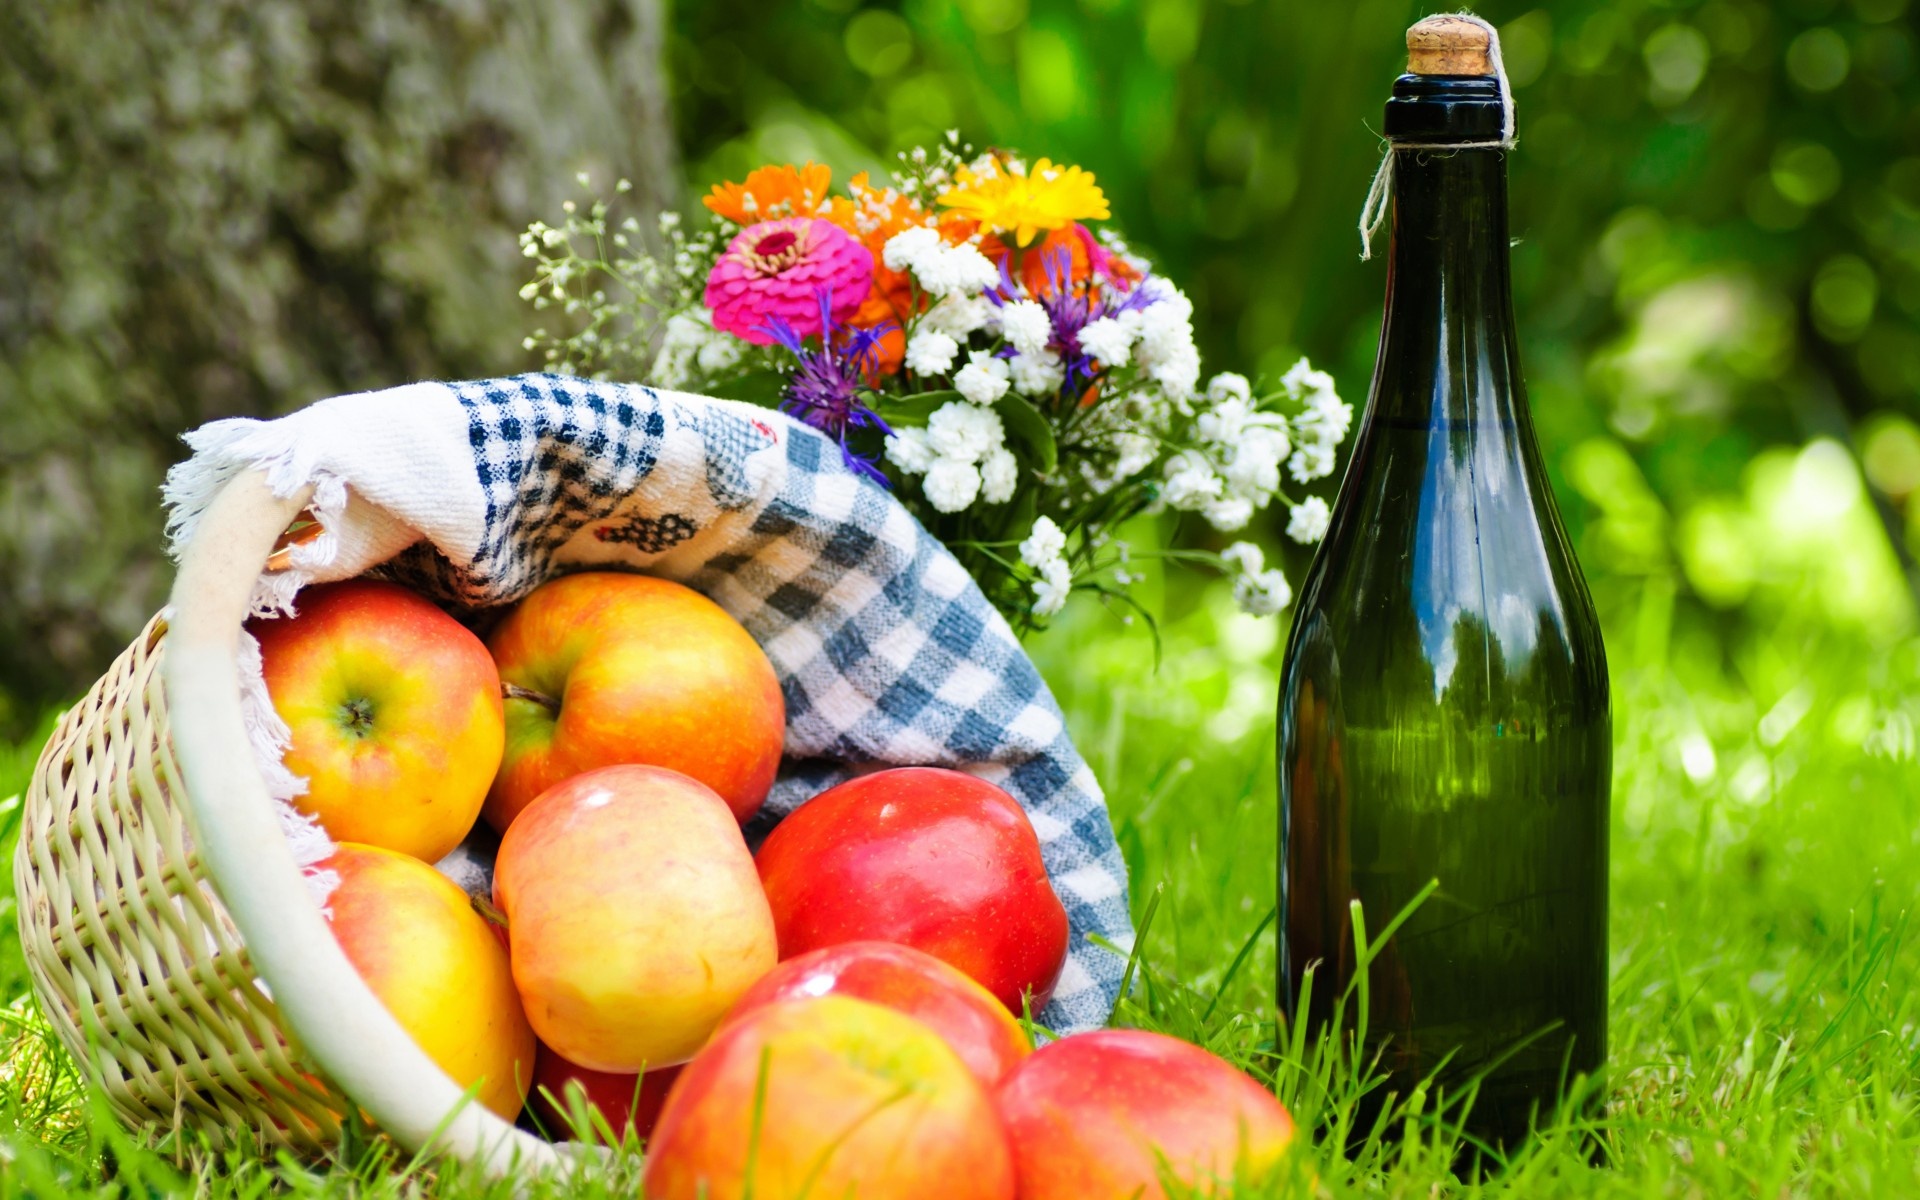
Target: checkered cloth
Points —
{"points": [[474, 493]]}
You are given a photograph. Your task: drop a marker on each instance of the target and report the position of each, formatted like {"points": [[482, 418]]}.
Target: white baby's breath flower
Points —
{"points": [[1263, 593], [964, 432], [1308, 522], [1302, 380], [683, 343], [946, 270], [984, 379], [1026, 326], [1133, 453], [1310, 462], [908, 450], [1245, 557], [1229, 386], [720, 353], [952, 484], [1046, 543], [957, 316], [931, 352], [1228, 513], [1325, 420], [1107, 340], [1223, 423], [1040, 376], [906, 250], [1253, 469], [1052, 588], [1177, 370], [1191, 482], [999, 476], [1166, 342]]}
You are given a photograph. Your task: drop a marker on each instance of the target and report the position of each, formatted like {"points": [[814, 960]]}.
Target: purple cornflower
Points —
{"points": [[825, 388], [1069, 309]]}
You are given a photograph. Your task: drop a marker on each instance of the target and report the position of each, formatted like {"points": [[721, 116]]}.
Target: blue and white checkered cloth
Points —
{"points": [[886, 649]]}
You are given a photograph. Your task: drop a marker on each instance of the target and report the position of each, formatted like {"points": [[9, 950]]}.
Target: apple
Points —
{"points": [[966, 1015], [415, 938], [1099, 1116], [828, 1097], [930, 858], [634, 915], [604, 668], [628, 1103], [395, 711]]}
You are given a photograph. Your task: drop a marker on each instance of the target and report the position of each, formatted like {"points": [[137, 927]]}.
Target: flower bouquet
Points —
{"points": [[1024, 381]]}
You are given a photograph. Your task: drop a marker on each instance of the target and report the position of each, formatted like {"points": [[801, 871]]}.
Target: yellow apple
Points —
{"points": [[635, 916], [395, 712], [435, 963]]}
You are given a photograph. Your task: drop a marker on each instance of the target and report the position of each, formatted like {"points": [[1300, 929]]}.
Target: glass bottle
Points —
{"points": [[1444, 709]]}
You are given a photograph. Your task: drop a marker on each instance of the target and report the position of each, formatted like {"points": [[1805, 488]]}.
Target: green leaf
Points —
{"points": [[1026, 423], [913, 411], [765, 388]]}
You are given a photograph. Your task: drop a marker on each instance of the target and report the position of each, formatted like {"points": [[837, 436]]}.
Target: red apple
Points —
{"points": [[605, 668], [634, 914], [434, 963], [629, 1104], [1098, 1116], [977, 1026], [828, 1097], [933, 859], [395, 712]]}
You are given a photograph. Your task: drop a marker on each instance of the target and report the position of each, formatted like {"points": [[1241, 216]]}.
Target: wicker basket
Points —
{"points": [[168, 929]]}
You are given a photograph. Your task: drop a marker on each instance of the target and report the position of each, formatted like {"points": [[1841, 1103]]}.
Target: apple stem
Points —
{"points": [[513, 691], [486, 909]]}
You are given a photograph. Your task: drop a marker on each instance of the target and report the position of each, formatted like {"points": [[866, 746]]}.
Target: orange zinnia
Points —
{"points": [[873, 215], [770, 191], [1085, 258]]}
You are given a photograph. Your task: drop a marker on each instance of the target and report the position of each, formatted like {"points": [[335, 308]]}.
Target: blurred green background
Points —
{"points": [[231, 207], [228, 207]]}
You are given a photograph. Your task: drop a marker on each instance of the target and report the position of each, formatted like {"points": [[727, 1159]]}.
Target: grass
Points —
{"points": [[1766, 842]]}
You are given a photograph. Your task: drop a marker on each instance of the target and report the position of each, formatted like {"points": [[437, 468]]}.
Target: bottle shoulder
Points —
{"points": [[1446, 569]]}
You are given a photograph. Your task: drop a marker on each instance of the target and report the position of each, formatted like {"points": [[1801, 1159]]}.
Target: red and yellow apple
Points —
{"points": [[635, 916], [1099, 1116], [978, 1027], [434, 963], [930, 858], [603, 668], [828, 1097], [629, 1104], [395, 712]]}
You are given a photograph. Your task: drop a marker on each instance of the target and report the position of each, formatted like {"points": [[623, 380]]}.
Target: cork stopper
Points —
{"points": [[1447, 45]]}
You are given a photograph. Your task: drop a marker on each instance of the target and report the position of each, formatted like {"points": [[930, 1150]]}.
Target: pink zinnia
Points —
{"points": [[775, 270]]}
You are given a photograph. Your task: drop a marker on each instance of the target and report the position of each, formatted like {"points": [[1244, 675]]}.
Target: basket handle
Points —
{"points": [[329, 1010]]}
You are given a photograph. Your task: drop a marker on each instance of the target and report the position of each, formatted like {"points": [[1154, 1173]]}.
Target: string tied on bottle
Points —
{"points": [[1373, 214]]}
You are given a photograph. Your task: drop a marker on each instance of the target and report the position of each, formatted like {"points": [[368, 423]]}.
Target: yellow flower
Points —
{"points": [[1025, 202]]}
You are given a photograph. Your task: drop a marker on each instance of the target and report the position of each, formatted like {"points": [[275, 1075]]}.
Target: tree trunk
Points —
{"points": [[235, 207]]}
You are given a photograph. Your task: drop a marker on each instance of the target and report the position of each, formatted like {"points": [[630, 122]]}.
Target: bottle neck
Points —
{"points": [[1447, 344]]}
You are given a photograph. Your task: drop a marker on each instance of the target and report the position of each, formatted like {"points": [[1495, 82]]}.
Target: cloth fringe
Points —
{"points": [[221, 451]]}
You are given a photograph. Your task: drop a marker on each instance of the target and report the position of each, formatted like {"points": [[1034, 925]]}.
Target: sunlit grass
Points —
{"points": [[1764, 1028]]}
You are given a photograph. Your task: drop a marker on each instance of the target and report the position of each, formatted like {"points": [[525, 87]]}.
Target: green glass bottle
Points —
{"points": [[1444, 712]]}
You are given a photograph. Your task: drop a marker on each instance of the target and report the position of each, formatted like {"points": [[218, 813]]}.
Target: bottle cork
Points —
{"points": [[1447, 45]]}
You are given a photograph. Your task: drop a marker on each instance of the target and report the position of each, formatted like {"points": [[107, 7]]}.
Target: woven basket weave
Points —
{"points": [[135, 962]]}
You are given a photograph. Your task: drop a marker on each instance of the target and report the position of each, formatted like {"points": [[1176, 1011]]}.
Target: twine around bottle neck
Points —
{"points": [[1373, 213]]}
